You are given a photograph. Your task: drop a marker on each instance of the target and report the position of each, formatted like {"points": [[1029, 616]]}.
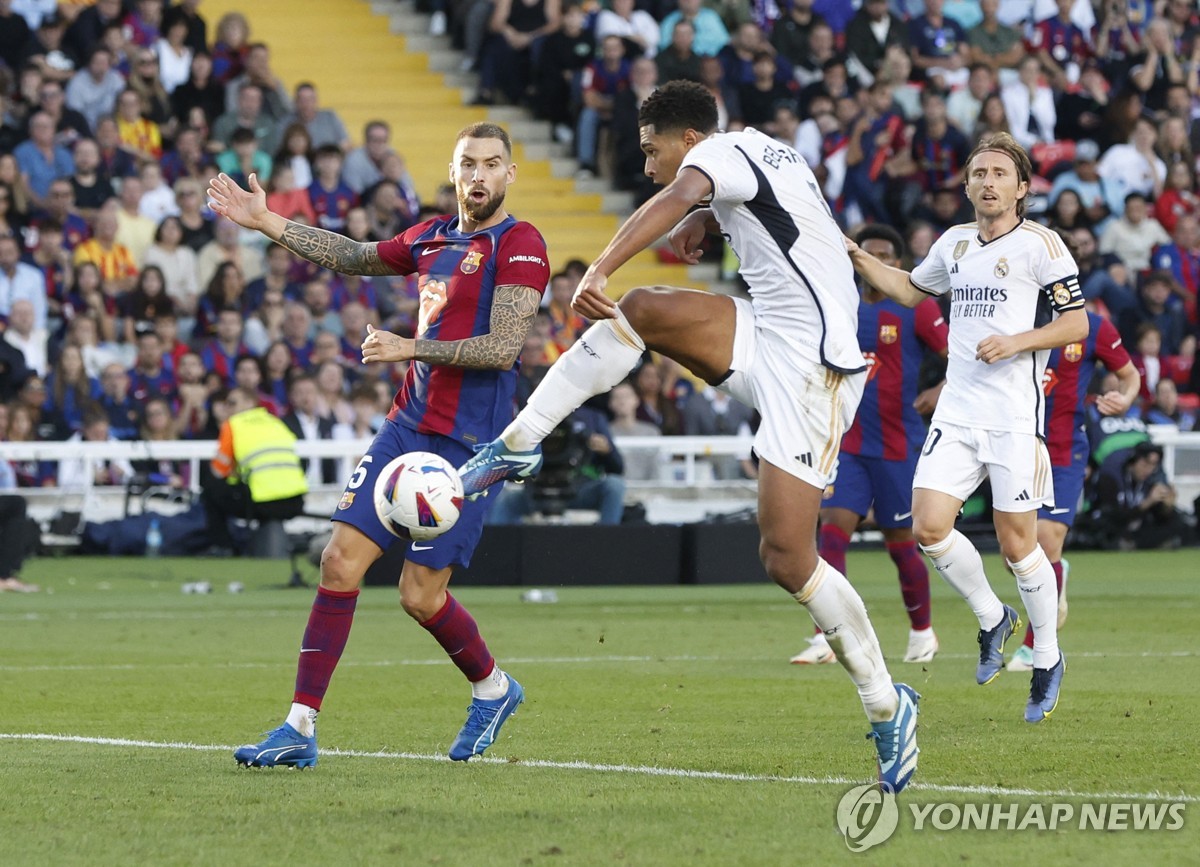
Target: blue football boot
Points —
{"points": [[495, 463], [283, 746], [991, 645], [484, 718], [1043, 691], [896, 742]]}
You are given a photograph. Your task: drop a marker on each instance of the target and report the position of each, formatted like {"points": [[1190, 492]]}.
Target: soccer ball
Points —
{"points": [[418, 496]]}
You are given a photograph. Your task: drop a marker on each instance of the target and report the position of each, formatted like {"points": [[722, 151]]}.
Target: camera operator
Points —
{"points": [[1134, 505], [581, 469]]}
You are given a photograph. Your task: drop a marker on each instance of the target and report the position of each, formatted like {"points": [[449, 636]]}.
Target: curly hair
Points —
{"points": [[881, 232], [678, 106]]}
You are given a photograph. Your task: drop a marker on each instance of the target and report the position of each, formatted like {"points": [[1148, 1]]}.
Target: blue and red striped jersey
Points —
{"points": [[472, 406], [331, 206], [894, 339], [1068, 375]]}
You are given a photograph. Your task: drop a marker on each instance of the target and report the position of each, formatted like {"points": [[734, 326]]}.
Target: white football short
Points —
{"points": [[805, 407], [955, 460]]}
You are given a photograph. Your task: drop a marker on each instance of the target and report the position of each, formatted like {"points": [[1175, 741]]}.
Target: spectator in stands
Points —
{"points": [[20, 281], [1159, 67], [938, 149], [318, 299], [1166, 409], [247, 113], [134, 231], [40, 159], [197, 28], [600, 83], [221, 352], [1181, 258], [297, 333], [737, 57], [112, 37], [1133, 167], [248, 374], [1029, 105], [244, 157], [1174, 145], [192, 407], [306, 422], [1066, 212], [792, 32], [23, 334], [324, 127], [636, 27], [1101, 277], [330, 378], [118, 404], [1060, 46], [515, 28], [73, 473], [363, 166], [150, 376], [1084, 180], [198, 230], [565, 53], [59, 209], [166, 326], [69, 125], [144, 23], [156, 102], [54, 259], [69, 389], [14, 35], [296, 151], [331, 198], [201, 90], [678, 59], [174, 56], [367, 420], [10, 220], [116, 160], [141, 136], [653, 405], [229, 46], [90, 189], [177, 263], [938, 47], [872, 29], [90, 329], [992, 43], [1134, 504], [1134, 234], [565, 324], [640, 464], [877, 138], [810, 65], [712, 412], [277, 367], [759, 98], [225, 289], [1154, 306], [93, 90], [1080, 110], [710, 33], [288, 199], [225, 247], [140, 308], [257, 71]]}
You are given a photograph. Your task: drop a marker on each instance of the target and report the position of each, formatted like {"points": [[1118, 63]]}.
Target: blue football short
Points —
{"points": [[1068, 491], [357, 506], [861, 482]]}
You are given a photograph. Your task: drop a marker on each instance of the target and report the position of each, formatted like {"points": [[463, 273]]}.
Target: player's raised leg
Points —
{"points": [[494, 695], [343, 563], [694, 328], [787, 518]]}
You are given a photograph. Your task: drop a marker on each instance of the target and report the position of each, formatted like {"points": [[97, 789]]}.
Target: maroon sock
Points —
{"points": [[1057, 567], [914, 582], [832, 545], [324, 640], [455, 630]]}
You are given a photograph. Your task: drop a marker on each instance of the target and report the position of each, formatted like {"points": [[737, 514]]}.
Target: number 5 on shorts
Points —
{"points": [[935, 434], [360, 473]]}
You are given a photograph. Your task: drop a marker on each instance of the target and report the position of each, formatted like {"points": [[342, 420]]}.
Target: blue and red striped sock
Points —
{"points": [[456, 631], [324, 640], [914, 582]]}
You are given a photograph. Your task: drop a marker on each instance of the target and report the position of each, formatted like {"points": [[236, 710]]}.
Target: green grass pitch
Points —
{"points": [[619, 681]]}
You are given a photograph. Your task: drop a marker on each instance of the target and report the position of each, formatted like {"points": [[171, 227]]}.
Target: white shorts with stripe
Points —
{"points": [[955, 460], [805, 407]]}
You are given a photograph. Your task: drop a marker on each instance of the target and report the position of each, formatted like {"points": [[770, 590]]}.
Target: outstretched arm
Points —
{"points": [[895, 283], [327, 249], [513, 312]]}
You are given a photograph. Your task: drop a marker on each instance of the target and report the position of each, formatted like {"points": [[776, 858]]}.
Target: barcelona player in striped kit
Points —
{"points": [[879, 453], [482, 275], [1068, 375]]}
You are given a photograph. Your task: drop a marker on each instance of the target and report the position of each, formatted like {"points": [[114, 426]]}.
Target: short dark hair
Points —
{"points": [[678, 106], [242, 135], [328, 150], [483, 129], [881, 232]]}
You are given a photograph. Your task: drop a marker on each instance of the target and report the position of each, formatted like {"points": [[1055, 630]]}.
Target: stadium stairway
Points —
{"points": [[377, 60]]}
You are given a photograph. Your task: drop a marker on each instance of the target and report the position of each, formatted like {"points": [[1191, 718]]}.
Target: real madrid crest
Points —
{"points": [[470, 262], [960, 249], [1073, 352], [1062, 295], [889, 333], [1001, 269]]}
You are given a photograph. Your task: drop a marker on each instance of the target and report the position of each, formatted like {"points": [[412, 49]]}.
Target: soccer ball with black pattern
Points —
{"points": [[418, 496]]}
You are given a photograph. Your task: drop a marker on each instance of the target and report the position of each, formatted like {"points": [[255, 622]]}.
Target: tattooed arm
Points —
{"points": [[327, 249], [513, 311]]}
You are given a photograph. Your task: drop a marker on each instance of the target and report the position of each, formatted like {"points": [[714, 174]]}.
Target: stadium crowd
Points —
{"points": [[128, 310]]}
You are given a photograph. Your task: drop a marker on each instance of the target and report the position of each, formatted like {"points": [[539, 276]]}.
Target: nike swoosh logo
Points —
{"points": [[899, 517], [430, 250], [422, 547]]}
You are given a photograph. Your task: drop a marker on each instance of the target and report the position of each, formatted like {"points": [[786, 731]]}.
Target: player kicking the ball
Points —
{"points": [[791, 353], [1014, 296], [483, 274], [879, 453]]}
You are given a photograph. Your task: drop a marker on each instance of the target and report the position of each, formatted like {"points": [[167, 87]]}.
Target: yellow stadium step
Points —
{"points": [[373, 60]]}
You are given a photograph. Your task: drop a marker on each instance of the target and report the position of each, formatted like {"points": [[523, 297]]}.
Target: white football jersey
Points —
{"points": [[1009, 285], [771, 211]]}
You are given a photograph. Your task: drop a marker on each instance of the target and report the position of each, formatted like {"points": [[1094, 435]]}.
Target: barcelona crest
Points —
{"points": [[889, 333], [347, 500], [1073, 352], [470, 262]]}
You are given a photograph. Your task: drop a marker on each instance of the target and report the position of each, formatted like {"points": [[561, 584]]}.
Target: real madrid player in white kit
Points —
{"points": [[791, 352], [1014, 296]]}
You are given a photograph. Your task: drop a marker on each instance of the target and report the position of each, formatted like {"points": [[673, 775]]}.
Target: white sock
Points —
{"points": [[494, 686], [1035, 580], [838, 610], [962, 567], [600, 359], [303, 719]]}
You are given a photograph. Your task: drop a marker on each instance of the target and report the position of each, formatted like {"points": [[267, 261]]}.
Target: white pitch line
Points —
{"points": [[531, 660], [640, 770]]}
